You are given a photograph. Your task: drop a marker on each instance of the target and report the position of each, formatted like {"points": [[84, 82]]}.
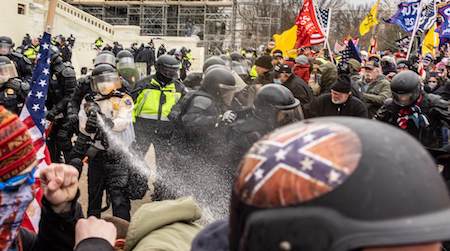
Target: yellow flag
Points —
{"points": [[286, 42], [370, 20], [430, 42]]}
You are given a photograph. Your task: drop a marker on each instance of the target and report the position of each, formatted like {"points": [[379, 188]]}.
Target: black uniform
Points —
{"points": [[13, 94], [146, 56], [161, 51], [24, 66], [323, 106], [61, 88]]}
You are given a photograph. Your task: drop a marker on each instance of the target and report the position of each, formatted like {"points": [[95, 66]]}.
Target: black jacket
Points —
{"points": [[62, 85], [444, 91], [323, 106], [56, 231], [436, 111], [300, 89]]}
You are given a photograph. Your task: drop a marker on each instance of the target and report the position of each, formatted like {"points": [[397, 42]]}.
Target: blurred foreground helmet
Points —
{"points": [[334, 185], [168, 66], [214, 60], [105, 79], [7, 69], [406, 88]]}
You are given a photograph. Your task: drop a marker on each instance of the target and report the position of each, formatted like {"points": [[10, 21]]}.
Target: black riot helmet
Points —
{"points": [[105, 57], [220, 83], [55, 53], [236, 56], [105, 79], [332, 184], [214, 60], [277, 104], [7, 70], [168, 66], [406, 88], [6, 45]]}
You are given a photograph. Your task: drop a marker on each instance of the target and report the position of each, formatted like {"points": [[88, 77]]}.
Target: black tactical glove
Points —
{"points": [[51, 115], [92, 123], [72, 120], [64, 139]]}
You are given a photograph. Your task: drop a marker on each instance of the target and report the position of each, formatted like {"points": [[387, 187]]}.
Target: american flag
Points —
{"points": [[403, 43], [324, 18], [351, 52], [33, 115], [427, 17]]}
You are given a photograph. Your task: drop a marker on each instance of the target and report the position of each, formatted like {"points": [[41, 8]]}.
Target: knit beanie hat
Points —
{"points": [[342, 85], [302, 60], [16, 147], [264, 62]]}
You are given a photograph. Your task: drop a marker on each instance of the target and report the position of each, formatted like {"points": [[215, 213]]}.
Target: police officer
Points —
{"points": [[420, 114], [23, 65], [127, 68], [13, 90], [274, 106], [294, 192], [155, 97], [61, 88], [105, 109]]}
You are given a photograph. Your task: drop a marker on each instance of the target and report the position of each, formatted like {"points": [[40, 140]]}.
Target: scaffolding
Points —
{"points": [[220, 24]]}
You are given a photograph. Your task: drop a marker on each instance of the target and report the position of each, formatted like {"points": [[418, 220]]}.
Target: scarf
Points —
{"points": [[12, 209], [413, 114]]}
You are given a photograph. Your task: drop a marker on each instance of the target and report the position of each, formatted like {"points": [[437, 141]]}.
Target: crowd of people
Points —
{"points": [[320, 153]]}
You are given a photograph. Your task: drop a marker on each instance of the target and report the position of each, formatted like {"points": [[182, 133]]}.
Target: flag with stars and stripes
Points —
{"points": [[33, 115], [324, 18], [351, 51], [428, 17], [309, 32]]}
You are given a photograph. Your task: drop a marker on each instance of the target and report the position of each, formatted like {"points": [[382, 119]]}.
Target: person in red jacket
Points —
{"points": [[302, 68]]}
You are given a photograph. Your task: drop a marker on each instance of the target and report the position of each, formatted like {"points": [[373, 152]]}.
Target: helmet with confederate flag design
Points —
{"points": [[335, 184]]}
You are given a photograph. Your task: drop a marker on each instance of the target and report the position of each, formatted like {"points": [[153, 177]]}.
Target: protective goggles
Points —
{"points": [[15, 182]]}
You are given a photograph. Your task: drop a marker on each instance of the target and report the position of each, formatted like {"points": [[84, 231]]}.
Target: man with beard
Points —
{"points": [[377, 89]]}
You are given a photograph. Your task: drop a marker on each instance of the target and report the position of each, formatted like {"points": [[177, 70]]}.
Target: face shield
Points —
{"points": [[106, 83], [171, 72], [7, 71], [5, 49], [105, 59], [227, 93], [406, 99], [127, 69], [285, 117], [239, 68]]}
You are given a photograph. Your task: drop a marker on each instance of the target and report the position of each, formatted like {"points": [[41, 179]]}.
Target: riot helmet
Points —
{"points": [[105, 57], [406, 88], [214, 60], [126, 67], [105, 79], [55, 53], [6, 45], [7, 70], [220, 83], [332, 184], [168, 66], [277, 104], [236, 56]]}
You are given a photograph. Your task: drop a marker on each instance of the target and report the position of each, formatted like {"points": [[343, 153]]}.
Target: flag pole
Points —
{"points": [[327, 41], [416, 26], [51, 13]]}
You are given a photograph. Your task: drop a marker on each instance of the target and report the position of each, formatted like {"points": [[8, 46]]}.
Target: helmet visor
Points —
{"points": [[7, 71], [240, 69], [105, 59], [227, 93], [286, 117], [171, 72], [406, 99], [106, 83], [126, 63], [5, 49]]}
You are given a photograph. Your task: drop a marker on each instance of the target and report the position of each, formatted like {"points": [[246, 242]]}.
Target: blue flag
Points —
{"points": [[406, 15], [351, 52], [427, 17], [444, 28]]}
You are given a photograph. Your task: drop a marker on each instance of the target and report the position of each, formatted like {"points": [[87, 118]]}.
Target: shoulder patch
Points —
{"points": [[201, 102]]}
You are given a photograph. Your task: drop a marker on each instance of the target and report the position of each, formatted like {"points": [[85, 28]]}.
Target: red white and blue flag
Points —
{"points": [[33, 115]]}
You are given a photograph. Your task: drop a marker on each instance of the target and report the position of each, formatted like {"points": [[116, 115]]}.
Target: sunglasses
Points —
{"points": [[15, 182]]}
